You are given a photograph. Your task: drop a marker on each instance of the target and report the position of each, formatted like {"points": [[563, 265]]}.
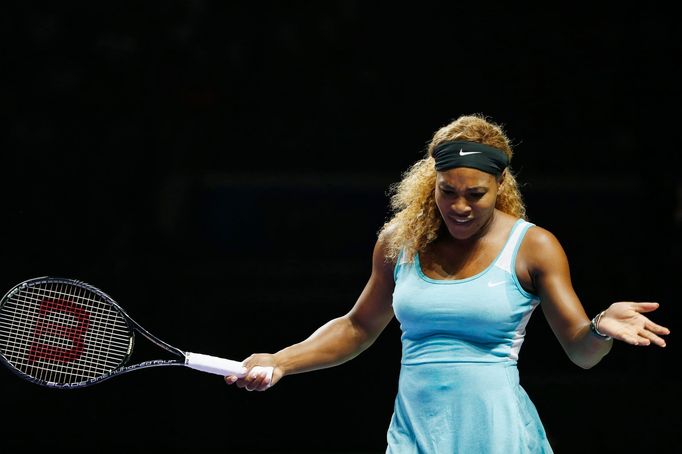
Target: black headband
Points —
{"points": [[458, 153]]}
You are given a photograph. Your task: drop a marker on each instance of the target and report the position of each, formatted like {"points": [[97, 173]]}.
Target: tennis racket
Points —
{"points": [[63, 333]]}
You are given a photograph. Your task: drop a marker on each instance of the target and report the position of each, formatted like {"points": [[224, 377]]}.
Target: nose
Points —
{"points": [[460, 207]]}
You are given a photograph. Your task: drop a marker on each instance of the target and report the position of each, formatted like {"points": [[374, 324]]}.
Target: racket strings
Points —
{"points": [[62, 333], [47, 341]]}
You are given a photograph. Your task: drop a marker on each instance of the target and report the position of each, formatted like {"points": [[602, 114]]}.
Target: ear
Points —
{"points": [[501, 180]]}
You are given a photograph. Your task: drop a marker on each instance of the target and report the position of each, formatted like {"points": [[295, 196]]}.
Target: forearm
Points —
{"points": [[336, 342], [587, 349]]}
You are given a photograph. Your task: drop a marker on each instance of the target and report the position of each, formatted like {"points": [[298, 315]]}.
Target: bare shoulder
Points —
{"points": [[541, 249], [540, 238], [381, 260], [384, 238]]}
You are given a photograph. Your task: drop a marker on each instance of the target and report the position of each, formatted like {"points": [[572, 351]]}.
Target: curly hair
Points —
{"points": [[415, 220]]}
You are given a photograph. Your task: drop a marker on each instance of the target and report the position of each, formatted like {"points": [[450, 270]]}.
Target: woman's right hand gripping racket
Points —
{"points": [[64, 333]]}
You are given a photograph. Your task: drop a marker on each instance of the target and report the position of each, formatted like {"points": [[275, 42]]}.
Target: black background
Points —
{"points": [[220, 169]]}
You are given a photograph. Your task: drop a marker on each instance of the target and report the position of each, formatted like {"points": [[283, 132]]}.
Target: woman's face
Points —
{"points": [[466, 200]]}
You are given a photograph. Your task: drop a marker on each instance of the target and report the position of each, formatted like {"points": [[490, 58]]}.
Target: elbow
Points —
{"points": [[361, 336], [588, 358], [584, 360], [585, 364]]}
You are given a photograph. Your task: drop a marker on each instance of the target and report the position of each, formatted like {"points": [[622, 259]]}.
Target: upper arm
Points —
{"points": [[373, 309], [548, 267]]}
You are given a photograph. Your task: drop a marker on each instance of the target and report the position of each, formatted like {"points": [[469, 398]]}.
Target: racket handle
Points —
{"points": [[222, 366], [214, 365]]}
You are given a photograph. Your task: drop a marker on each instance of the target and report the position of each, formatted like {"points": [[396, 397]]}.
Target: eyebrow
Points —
{"points": [[473, 188]]}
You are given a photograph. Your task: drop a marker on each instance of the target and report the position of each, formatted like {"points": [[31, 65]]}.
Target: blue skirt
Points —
{"points": [[464, 408]]}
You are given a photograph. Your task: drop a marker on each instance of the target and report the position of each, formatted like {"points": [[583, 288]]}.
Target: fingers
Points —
{"points": [[648, 306], [656, 340], [651, 333], [258, 379], [648, 334], [260, 373], [656, 328], [646, 338], [626, 321]]}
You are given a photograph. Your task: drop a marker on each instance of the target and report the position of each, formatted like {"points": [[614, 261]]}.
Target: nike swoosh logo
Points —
{"points": [[464, 153], [495, 284]]}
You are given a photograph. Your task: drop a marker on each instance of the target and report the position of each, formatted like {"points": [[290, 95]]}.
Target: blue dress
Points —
{"points": [[459, 390]]}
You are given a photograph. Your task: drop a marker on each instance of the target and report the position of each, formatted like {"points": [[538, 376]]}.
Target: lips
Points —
{"points": [[461, 221]]}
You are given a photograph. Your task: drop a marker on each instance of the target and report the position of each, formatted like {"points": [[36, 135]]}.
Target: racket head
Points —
{"points": [[63, 333]]}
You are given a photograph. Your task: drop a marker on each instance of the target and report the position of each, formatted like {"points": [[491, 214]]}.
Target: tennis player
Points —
{"points": [[462, 270]]}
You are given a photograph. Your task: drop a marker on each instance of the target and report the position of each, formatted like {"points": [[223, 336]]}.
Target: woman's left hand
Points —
{"points": [[625, 321]]}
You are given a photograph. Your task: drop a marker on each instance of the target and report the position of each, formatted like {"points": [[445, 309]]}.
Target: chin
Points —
{"points": [[462, 232]]}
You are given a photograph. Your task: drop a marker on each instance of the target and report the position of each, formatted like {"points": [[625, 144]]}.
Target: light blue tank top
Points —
{"points": [[482, 318]]}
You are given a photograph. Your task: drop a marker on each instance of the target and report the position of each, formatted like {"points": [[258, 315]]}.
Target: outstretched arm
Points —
{"points": [[548, 269], [337, 341]]}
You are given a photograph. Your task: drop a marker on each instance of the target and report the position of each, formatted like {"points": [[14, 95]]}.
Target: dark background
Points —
{"points": [[220, 169]]}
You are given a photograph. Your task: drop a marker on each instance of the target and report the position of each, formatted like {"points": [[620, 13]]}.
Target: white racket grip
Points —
{"points": [[224, 367], [214, 365]]}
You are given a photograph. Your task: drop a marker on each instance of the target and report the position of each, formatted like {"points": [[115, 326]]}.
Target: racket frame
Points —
{"points": [[132, 325]]}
